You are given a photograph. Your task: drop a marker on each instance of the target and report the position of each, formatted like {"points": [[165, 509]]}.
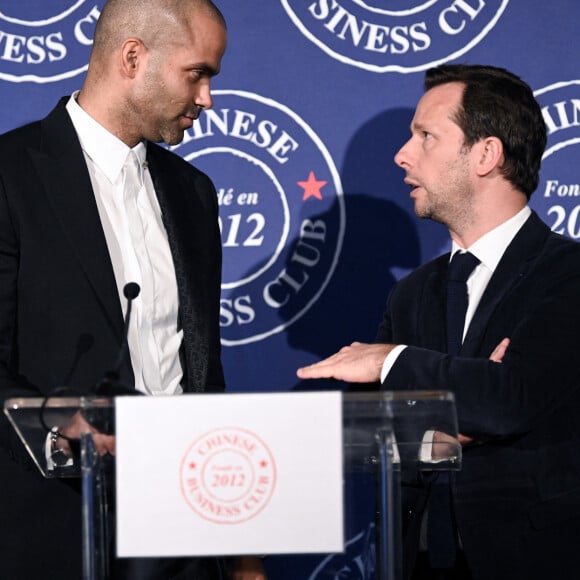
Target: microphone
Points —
{"points": [[110, 385], [131, 291]]}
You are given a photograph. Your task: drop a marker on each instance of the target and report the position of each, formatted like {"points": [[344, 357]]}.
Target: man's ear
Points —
{"points": [[132, 55], [490, 155]]}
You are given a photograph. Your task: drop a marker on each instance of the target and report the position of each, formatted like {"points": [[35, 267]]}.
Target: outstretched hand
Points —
{"points": [[362, 363], [357, 363]]}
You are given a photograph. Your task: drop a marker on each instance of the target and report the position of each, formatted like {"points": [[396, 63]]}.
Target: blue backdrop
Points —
{"points": [[314, 100]]}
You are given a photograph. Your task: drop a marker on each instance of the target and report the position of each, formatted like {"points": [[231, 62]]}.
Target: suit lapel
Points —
{"points": [[181, 207], [513, 266], [61, 165], [431, 322]]}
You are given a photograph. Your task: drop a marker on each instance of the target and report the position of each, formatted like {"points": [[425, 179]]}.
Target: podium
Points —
{"points": [[387, 437]]}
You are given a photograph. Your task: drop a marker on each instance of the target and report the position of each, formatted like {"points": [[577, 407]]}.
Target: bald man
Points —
{"points": [[88, 203]]}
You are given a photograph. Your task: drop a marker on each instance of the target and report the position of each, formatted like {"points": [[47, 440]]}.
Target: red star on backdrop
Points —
{"points": [[312, 187]]}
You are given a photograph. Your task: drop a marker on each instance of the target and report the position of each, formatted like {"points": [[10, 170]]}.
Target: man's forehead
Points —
{"points": [[448, 95], [439, 103], [202, 39]]}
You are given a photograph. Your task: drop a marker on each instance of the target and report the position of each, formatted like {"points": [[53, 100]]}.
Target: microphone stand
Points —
{"points": [[111, 385]]}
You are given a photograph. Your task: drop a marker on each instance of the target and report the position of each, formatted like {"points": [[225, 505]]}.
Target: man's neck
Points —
{"points": [[491, 213], [470, 237]]}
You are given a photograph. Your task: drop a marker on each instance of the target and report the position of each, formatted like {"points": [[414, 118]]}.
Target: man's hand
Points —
{"points": [[499, 351], [104, 444], [248, 568], [444, 446], [357, 363]]}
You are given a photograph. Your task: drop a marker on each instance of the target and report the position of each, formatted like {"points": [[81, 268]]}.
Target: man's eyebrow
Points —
{"points": [[206, 68], [417, 126]]}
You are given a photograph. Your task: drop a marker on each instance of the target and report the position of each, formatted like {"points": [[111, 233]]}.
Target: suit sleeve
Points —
{"points": [[11, 384]]}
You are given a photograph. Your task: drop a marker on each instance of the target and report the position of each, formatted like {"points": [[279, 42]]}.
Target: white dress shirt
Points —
{"points": [[139, 251], [489, 249]]}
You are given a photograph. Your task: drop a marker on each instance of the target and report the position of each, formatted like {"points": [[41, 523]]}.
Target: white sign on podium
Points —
{"points": [[229, 474]]}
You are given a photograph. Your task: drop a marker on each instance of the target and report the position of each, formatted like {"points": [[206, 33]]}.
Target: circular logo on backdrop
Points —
{"points": [[281, 211], [47, 43], [557, 199], [395, 35], [228, 475]]}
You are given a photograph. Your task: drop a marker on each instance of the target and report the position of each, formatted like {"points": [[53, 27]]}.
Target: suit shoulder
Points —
{"points": [[559, 247], [13, 141], [562, 241], [423, 271]]}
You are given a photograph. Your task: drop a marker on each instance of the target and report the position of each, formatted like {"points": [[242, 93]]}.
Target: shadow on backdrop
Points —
{"points": [[383, 242]]}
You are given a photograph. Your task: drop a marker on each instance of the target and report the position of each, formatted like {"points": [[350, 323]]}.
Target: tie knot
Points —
{"points": [[461, 266]]}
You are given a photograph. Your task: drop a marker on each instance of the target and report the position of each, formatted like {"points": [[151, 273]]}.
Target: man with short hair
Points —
{"points": [[472, 163], [88, 203]]}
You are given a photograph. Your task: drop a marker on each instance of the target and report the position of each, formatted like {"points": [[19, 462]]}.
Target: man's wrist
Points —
{"points": [[390, 360]]}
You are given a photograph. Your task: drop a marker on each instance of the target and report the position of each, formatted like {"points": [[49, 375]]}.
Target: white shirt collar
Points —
{"points": [[106, 150], [490, 247]]}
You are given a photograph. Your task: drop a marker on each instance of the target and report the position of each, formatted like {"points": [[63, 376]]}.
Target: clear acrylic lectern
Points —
{"points": [[386, 436]]}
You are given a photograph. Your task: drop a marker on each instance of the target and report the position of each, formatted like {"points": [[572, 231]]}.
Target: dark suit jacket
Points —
{"points": [[517, 498], [61, 321]]}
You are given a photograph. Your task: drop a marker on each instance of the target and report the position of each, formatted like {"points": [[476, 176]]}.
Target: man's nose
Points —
{"points": [[402, 157], [204, 98]]}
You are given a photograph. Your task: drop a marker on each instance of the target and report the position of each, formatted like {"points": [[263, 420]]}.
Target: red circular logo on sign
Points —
{"points": [[228, 475]]}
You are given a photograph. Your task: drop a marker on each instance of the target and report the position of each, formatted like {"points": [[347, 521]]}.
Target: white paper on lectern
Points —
{"points": [[229, 474]]}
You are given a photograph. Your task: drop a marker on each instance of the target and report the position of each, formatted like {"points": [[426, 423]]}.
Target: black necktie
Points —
{"points": [[441, 531], [460, 268]]}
